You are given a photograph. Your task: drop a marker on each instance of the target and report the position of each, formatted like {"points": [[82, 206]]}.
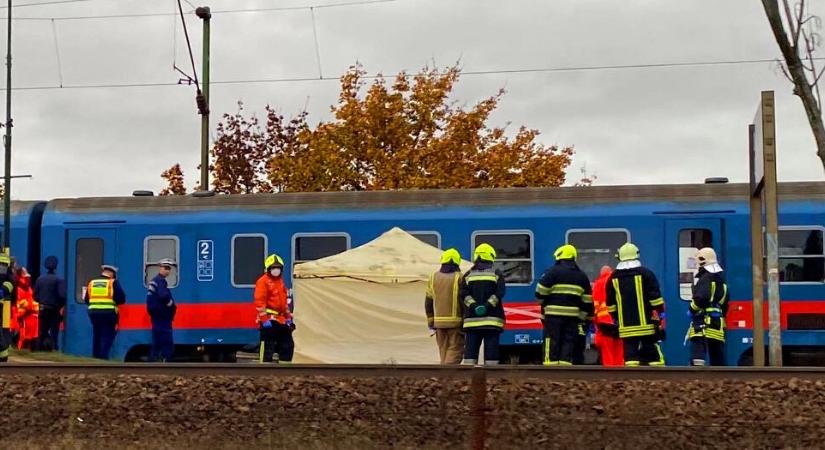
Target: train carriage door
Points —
{"points": [[683, 238], [86, 251]]}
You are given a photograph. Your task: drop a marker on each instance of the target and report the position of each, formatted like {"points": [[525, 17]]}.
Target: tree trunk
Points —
{"points": [[796, 70]]}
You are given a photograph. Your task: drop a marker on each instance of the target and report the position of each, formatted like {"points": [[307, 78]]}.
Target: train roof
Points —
{"points": [[437, 197]]}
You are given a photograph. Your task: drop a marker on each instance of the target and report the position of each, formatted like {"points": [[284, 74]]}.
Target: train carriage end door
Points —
{"points": [[86, 251], [683, 238]]}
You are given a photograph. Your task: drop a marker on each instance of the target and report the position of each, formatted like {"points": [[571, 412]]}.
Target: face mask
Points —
{"points": [[275, 272]]}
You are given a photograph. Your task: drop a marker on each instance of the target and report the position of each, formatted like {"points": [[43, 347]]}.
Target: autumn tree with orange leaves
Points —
{"points": [[403, 134], [174, 181]]}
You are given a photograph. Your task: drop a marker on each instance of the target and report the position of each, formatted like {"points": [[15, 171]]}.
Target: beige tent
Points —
{"points": [[366, 305]]}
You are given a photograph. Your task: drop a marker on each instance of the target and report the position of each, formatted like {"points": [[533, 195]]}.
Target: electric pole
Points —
{"points": [[203, 98], [7, 143]]}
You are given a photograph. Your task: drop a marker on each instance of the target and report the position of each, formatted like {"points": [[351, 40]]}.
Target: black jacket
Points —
{"points": [[564, 290], [482, 286], [632, 296], [50, 289]]}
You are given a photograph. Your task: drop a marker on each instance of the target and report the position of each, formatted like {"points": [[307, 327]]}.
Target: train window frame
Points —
{"points": [[779, 256], [626, 231], [232, 256], [436, 233], [532, 258], [147, 264], [297, 236], [80, 286]]}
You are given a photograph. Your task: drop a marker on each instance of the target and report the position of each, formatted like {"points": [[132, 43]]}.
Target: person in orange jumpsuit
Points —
{"points": [[27, 311], [274, 316], [607, 333]]}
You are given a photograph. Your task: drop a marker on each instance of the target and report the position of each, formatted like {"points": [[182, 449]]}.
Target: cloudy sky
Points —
{"points": [[629, 126]]}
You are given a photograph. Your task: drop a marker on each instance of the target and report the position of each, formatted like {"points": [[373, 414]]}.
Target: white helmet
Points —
{"points": [[706, 256]]}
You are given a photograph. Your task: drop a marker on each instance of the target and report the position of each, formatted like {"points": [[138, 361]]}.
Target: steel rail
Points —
{"points": [[418, 371]]}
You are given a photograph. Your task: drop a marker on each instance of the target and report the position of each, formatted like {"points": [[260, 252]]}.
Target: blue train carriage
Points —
{"points": [[221, 241], [26, 218]]}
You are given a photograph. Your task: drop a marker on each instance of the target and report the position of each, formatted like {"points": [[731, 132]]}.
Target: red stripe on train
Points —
{"points": [[740, 314], [193, 316], [522, 316]]}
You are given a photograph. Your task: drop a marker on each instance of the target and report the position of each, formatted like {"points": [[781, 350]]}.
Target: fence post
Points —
{"points": [[478, 409]]}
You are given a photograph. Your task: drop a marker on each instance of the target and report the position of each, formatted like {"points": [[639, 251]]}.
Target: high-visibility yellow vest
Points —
{"points": [[101, 295]]}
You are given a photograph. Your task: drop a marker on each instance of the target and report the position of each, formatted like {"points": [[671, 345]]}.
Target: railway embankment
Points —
{"points": [[391, 408]]}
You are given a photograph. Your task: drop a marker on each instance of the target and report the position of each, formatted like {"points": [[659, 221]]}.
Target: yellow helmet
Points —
{"points": [[485, 252], [566, 251], [451, 255], [273, 260], [628, 252], [706, 256]]}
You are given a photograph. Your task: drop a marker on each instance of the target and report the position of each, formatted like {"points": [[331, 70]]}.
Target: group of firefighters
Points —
{"points": [[624, 307]]}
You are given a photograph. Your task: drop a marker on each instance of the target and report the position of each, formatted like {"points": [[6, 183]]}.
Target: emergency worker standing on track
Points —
{"points": [[482, 291], [104, 295], [443, 309], [7, 296], [633, 296], [708, 309], [50, 293], [607, 333], [567, 305], [274, 315], [161, 308]]}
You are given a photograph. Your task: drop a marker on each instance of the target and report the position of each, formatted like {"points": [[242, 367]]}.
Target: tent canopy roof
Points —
{"points": [[394, 257]]}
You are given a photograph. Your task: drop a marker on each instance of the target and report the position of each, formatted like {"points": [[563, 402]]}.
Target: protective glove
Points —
{"points": [[290, 324], [480, 310], [432, 331], [267, 324]]}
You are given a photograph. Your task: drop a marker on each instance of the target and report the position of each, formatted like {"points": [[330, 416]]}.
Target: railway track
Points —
{"points": [[418, 371]]}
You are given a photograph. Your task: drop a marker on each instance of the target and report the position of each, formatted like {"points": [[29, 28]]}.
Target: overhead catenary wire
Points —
{"points": [[463, 73], [57, 54], [223, 11], [189, 47]]}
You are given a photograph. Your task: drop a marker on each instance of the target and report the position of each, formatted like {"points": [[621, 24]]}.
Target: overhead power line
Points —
{"points": [[51, 2], [224, 11], [463, 73]]}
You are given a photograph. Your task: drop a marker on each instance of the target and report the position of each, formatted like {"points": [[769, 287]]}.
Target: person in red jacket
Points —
{"points": [[607, 333], [274, 315], [27, 310]]}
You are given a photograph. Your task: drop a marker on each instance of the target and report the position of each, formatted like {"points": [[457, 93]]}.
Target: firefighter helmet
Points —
{"points": [[485, 252], [706, 256], [273, 260], [628, 252], [566, 251], [451, 255]]}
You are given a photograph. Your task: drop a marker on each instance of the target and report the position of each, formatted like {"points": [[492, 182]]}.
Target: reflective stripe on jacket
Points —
{"points": [[101, 294], [483, 286], [441, 301], [632, 296], [271, 299], [564, 290]]}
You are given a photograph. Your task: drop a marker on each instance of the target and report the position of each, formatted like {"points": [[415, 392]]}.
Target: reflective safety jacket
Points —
{"points": [[709, 305], [632, 296], [104, 295], [564, 290], [482, 286], [25, 299], [271, 299], [600, 310], [441, 302]]}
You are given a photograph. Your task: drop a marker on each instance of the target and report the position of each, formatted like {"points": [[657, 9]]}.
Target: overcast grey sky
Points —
{"points": [[630, 126]]}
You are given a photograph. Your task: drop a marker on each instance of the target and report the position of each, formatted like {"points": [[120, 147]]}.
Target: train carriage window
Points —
{"points": [[88, 259], [248, 254], [514, 253], [309, 247], [690, 241], [156, 248], [597, 248], [801, 255], [428, 237]]}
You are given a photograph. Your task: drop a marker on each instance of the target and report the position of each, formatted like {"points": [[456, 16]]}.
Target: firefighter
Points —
{"points": [[7, 294], [636, 305], [607, 333], [27, 311], [708, 308], [567, 306], [482, 291], [274, 315], [161, 308], [104, 295], [443, 310]]}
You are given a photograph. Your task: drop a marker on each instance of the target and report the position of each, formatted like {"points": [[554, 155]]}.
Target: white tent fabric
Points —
{"points": [[366, 305]]}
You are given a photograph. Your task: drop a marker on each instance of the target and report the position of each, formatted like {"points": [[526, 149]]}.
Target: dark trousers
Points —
{"points": [[276, 339], [48, 328], [560, 339], [474, 339], [579, 344], [163, 344], [707, 350], [643, 350], [104, 330]]}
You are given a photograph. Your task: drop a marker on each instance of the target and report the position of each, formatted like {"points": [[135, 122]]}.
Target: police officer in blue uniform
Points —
{"points": [[104, 295], [161, 308]]}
